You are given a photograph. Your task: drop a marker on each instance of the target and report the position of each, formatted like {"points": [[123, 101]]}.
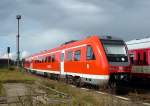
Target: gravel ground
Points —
{"points": [[21, 94], [15, 93]]}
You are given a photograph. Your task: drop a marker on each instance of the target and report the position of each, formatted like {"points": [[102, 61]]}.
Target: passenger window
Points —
{"points": [[144, 61], [53, 58], [62, 57], [40, 59], [46, 59], [89, 53], [139, 58], [43, 59], [49, 59], [70, 56], [77, 55]]}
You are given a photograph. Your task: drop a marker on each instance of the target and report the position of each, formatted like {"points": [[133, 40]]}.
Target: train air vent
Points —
{"points": [[109, 37], [69, 42]]}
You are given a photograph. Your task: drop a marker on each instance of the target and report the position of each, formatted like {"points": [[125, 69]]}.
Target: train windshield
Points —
{"points": [[115, 50]]}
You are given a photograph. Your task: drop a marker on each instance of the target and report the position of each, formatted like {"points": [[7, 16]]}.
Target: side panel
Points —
{"points": [[92, 67], [140, 68], [75, 66]]}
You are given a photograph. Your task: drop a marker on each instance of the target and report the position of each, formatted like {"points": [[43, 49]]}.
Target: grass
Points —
{"points": [[78, 96], [1, 87], [13, 76]]}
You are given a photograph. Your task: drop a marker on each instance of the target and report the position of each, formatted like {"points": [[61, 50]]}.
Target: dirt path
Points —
{"points": [[15, 89], [15, 93], [20, 94]]}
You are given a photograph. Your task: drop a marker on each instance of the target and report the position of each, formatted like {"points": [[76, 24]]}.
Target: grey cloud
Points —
{"points": [[44, 22]]}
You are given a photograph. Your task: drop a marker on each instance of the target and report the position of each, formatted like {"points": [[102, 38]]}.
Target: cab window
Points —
{"points": [[90, 54]]}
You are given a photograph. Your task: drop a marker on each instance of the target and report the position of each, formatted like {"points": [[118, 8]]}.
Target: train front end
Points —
{"points": [[118, 60]]}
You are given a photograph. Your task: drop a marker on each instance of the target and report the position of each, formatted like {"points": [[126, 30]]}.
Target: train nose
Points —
{"points": [[116, 69], [119, 72]]}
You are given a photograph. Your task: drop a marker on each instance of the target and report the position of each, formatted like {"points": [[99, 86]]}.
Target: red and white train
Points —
{"points": [[95, 60], [139, 51]]}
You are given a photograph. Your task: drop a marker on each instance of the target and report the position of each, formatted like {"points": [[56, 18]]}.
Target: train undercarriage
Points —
{"points": [[113, 83]]}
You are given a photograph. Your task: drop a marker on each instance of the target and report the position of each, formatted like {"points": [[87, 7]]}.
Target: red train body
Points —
{"points": [[139, 51], [93, 60]]}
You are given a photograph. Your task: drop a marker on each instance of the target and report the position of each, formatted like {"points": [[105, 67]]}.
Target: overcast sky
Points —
{"points": [[48, 23]]}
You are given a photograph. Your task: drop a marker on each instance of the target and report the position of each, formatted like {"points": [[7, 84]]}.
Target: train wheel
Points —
{"points": [[112, 87], [67, 79], [78, 82], [45, 74], [57, 77]]}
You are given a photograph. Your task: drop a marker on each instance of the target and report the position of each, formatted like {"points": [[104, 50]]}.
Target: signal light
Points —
{"points": [[8, 50]]}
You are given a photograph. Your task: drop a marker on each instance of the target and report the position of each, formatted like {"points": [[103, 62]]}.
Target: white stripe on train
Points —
{"points": [[104, 77]]}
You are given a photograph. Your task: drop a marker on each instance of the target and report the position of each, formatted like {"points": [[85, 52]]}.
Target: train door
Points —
{"points": [[31, 64], [62, 62], [132, 57], [90, 59]]}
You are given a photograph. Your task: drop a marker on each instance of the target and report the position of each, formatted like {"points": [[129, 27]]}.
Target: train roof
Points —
{"points": [[72, 42], [100, 37], [138, 43], [109, 38]]}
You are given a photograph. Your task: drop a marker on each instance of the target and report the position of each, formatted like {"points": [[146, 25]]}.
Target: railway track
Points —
{"points": [[127, 92]]}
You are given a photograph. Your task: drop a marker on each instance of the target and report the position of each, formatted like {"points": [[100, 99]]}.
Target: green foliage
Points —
{"points": [[79, 97], [15, 76]]}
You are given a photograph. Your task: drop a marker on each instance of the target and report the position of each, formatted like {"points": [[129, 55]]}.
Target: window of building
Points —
{"points": [[77, 55], [90, 54], [70, 56]]}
